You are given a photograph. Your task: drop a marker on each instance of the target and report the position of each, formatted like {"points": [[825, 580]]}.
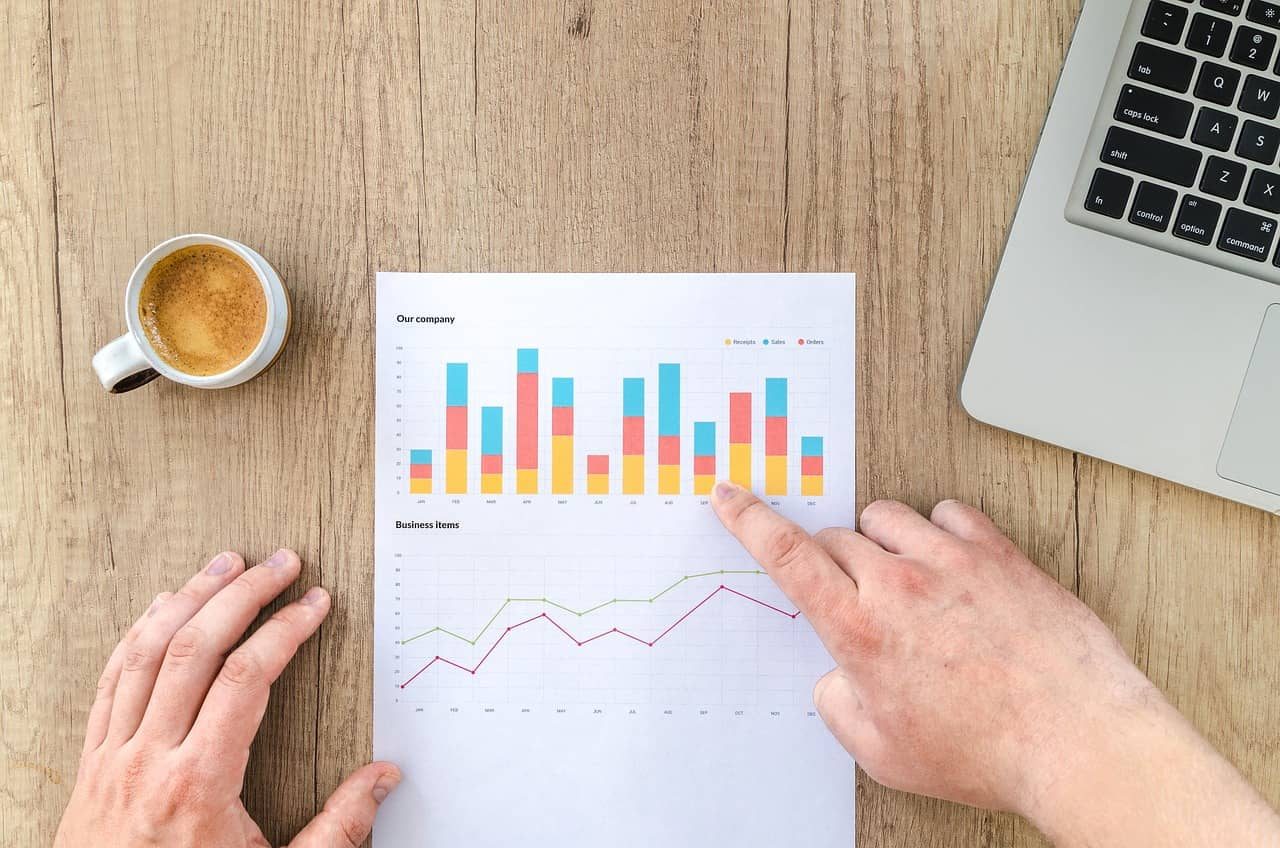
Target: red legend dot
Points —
{"points": [[799, 341]]}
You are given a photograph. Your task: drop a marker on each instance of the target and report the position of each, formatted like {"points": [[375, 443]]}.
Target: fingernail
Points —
{"points": [[278, 559], [725, 489], [385, 784], [314, 595], [221, 564]]}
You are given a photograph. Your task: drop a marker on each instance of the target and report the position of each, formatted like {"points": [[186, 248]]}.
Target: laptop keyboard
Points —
{"points": [[1183, 154]]}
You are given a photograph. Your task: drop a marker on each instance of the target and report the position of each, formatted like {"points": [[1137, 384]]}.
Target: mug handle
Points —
{"points": [[122, 367]]}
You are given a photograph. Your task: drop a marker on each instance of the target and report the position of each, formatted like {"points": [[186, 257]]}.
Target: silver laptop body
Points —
{"points": [[1135, 315]]}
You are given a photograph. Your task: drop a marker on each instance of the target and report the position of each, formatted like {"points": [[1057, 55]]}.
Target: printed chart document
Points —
{"points": [[570, 650]]}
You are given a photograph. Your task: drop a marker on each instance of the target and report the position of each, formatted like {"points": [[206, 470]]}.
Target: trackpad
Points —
{"points": [[1251, 454]]}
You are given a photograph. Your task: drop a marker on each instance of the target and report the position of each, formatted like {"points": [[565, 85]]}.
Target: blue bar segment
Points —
{"points": [[704, 438], [562, 391], [456, 384], [491, 430], [775, 397], [811, 446], [419, 457], [633, 397], [668, 400], [527, 360]]}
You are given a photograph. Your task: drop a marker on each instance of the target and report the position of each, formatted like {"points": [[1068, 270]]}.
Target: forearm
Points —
{"points": [[1151, 779]]}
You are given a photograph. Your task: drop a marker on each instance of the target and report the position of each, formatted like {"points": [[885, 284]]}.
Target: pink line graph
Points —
{"points": [[582, 642]]}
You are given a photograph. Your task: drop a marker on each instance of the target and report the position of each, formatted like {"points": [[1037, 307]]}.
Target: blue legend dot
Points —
{"points": [[766, 341]]}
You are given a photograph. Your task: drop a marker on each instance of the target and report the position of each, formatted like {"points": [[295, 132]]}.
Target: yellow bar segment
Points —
{"points": [[811, 485], [527, 481], [491, 484], [740, 465], [633, 475], [668, 479], [420, 486], [562, 465], [455, 471], [597, 484], [775, 475], [703, 483]]}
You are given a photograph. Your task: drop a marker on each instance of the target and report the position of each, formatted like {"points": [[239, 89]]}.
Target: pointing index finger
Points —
{"points": [[822, 591]]}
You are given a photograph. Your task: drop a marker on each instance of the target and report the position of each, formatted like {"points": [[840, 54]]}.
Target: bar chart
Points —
{"points": [[682, 459]]}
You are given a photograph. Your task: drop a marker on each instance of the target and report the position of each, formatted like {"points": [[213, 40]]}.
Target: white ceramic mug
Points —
{"points": [[130, 361]]}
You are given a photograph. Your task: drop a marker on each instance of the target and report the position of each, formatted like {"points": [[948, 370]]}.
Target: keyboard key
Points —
{"points": [[1253, 48], [1197, 219], [1153, 206], [1260, 96], [1151, 157], [1163, 68], [1265, 13], [1208, 35], [1263, 191], [1246, 234], [1164, 22], [1214, 129], [1259, 142], [1217, 83], [1108, 193], [1143, 107], [1223, 178], [1226, 7]]}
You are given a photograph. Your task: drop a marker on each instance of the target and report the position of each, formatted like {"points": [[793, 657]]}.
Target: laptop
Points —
{"points": [[1135, 315]]}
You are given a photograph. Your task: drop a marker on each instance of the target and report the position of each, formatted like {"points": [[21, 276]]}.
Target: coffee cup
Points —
{"points": [[201, 310]]}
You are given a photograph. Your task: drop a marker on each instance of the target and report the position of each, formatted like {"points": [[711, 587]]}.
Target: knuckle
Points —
{"points": [[833, 535], [353, 828], [133, 779], [286, 617], [241, 671], [186, 643], [910, 580], [860, 636], [787, 545], [140, 657]]}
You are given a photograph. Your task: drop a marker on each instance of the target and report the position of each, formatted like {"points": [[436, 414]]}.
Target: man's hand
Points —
{"points": [[966, 673], [168, 736]]}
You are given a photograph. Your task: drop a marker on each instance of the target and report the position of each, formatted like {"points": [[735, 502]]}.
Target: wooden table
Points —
{"points": [[886, 138]]}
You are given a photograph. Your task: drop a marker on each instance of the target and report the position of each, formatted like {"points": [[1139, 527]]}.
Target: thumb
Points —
{"points": [[347, 817], [840, 707]]}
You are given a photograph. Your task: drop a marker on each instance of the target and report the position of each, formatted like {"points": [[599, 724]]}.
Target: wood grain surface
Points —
{"points": [[888, 137]]}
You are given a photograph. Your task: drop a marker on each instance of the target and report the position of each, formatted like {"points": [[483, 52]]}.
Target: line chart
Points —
{"points": [[579, 613], [583, 642]]}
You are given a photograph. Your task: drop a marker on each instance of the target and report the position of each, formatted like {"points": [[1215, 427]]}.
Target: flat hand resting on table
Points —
{"points": [[962, 672], [168, 736]]}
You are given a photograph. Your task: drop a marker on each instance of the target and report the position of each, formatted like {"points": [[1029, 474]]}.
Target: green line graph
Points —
{"points": [[579, 613]]}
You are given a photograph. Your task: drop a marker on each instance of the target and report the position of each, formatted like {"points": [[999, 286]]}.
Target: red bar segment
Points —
{"points": [[491, 464], [811, 466], [775, 436], [527, 421], [420, 472], [562, 420], [668, 450], [633, 436], [740, 418], [598, 464], [704, 465], [455, 428]]}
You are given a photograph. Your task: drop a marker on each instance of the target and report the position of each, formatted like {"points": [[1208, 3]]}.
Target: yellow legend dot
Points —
{"points": [[728, 341]]}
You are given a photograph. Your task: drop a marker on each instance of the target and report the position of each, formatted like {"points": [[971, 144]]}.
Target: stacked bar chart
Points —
{"points": [[633, 436], [811, 466], [775, 436], [562, 436], [669, 429], [740, 438], [455, 472], [491, 450], [527, 421], [704, 457], [419, 472], [724, 430]]}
